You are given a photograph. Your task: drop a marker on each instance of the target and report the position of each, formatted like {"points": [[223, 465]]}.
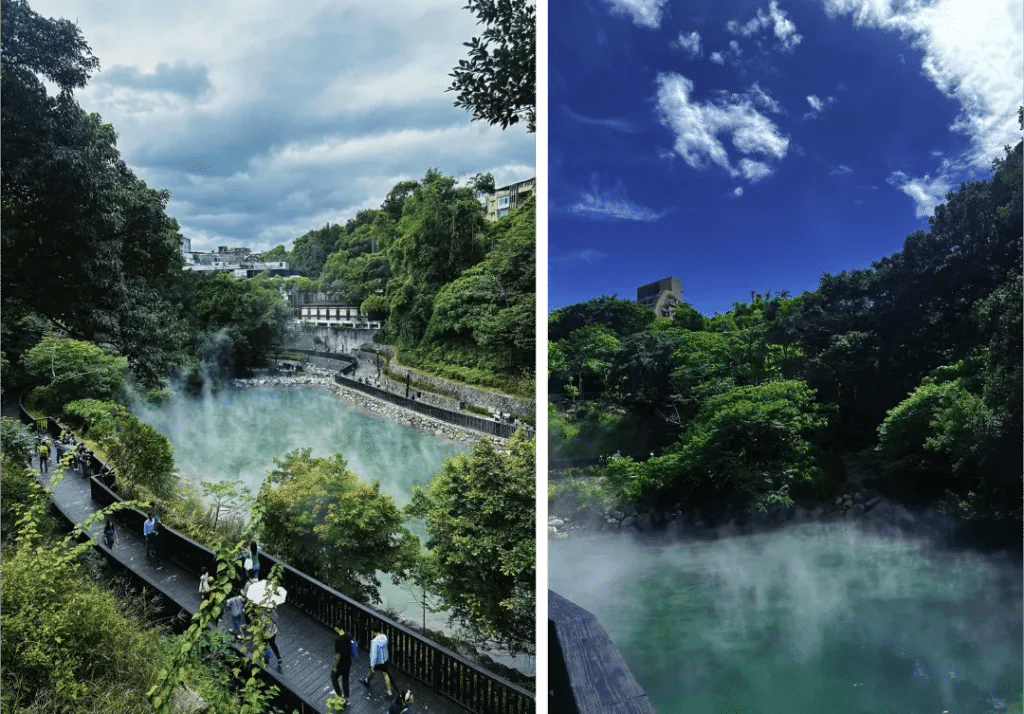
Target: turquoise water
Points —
{"points": [[819, 618], [237, 434]]}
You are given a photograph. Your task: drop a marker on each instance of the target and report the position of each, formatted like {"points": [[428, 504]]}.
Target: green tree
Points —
{"points": [[489, 310], [480, 511], [326, 522], [142, 457], [622, 317], [277, 253], [588, 355], [237, 324], [498, 82], [311, 250], [15, 442], [73, 369], [439, 236], [755, 442], [86, 244]]}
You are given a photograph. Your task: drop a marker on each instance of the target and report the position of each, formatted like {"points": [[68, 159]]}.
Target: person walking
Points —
{"points": [[345, 651], [236, 606], [268, 620], [149, 533], [44, 457], [252, 562], [378, 662], [204, 586], [110, 534]]}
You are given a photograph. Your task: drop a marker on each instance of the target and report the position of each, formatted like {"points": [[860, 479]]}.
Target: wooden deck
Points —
{"points": [[587, 673], [306, 645]]}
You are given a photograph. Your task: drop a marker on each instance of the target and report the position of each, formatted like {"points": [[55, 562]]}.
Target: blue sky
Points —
{"points": [[754, 145], [267, 118]]}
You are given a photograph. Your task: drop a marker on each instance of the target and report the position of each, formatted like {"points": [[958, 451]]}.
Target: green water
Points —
{"points": [[814, 619], [237, 434]]}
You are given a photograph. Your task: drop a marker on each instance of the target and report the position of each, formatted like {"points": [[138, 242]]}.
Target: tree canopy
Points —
{"points": [[480, 514], [86, 244], [324, 521], [497, 83]]}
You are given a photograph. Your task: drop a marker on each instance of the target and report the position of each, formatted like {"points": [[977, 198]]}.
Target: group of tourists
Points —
{"points": [[47, 448]]}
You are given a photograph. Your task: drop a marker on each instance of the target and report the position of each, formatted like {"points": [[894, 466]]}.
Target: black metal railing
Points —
{"points": [[412, 654], [486, 426]]}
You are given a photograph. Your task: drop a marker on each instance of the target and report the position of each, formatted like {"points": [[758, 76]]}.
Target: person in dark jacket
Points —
{"points": [[344, 649]]}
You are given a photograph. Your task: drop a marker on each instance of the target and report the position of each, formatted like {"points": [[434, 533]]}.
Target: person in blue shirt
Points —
{"points": [[378, 662], [149, 533]]}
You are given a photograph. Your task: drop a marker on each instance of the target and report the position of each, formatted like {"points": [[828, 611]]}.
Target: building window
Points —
{"points": [[503, 202]]}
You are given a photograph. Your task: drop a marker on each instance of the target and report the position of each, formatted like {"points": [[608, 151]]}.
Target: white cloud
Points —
{"points": [[645, 13], [738, 191], [817, 105], [926, 192], [783, 28], [754, 171], [761, 97], [698, 126], [840, 170], [973, 52], [717, 58], [612, 204], [690, 44]]}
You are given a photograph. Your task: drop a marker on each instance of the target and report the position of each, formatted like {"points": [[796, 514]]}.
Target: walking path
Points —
{"points": [[306, 644]]}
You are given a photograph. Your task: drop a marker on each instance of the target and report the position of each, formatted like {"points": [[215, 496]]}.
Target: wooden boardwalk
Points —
{"points": [[587, 673], [306, 645]]}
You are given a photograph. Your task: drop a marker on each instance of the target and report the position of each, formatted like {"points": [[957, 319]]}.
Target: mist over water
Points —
{"points": [[816, 618], [237, 434]]}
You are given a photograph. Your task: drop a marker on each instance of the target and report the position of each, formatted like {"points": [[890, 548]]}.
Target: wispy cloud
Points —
{"points": [[926, 192], [840, 170], [608, 123], [817, 105], [587, 256], [699, 125], [611, 204], [645, 13], [783, 28], [690, 44]]}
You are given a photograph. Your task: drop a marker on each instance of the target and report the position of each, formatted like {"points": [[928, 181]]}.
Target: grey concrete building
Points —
{"points": [[661, 297]]}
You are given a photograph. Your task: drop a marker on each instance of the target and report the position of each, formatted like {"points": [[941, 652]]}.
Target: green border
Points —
{"points": [[542, 355]]}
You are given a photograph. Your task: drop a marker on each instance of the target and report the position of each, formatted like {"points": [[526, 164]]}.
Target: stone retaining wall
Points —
{"points": [[472, 395], [324, 378]]}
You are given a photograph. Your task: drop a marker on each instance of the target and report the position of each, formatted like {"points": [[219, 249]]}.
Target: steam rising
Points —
{"points": [[237, 434], [802, 620]]}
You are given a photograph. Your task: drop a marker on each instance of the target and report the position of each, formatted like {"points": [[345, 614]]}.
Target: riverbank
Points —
{"points": [[324, 379], [863, 506]]}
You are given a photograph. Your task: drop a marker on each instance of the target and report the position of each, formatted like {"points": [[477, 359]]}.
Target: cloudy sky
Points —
{"points": [[754, 145], [266, 119]]}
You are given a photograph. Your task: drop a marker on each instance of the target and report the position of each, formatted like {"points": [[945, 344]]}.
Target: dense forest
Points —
{"points": [[912, 366], [458, 292], [98, 309]]}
